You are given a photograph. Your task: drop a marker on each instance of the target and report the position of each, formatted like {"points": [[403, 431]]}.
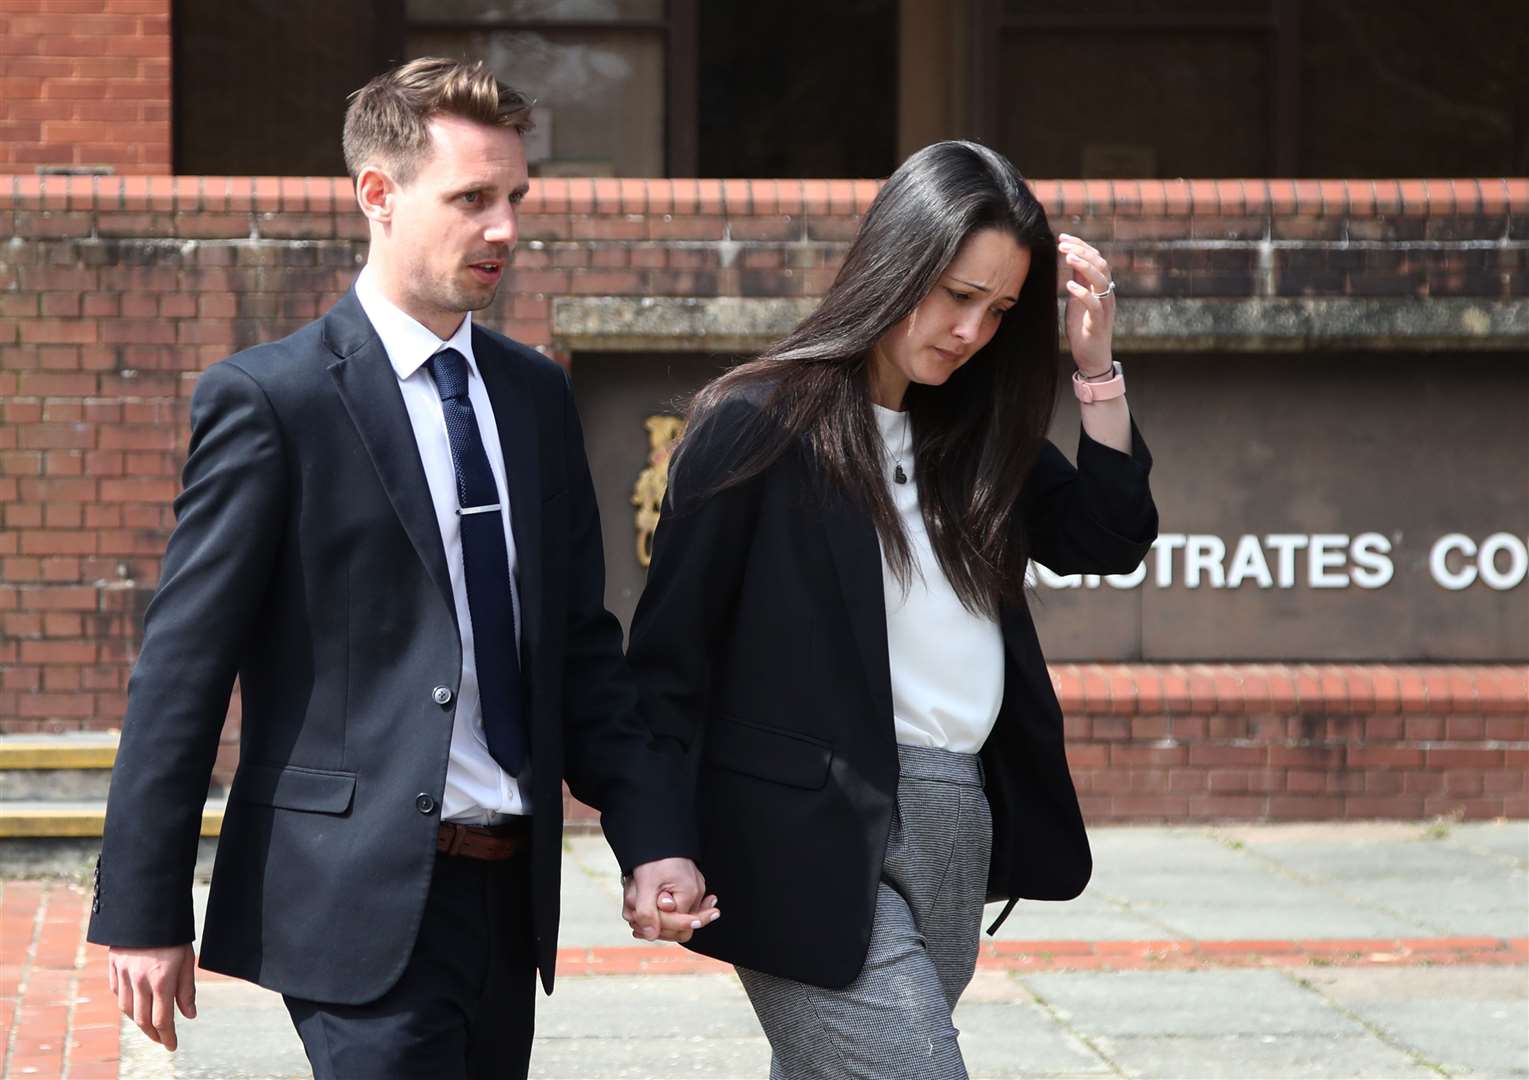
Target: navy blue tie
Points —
{"points": [[486, 561]]}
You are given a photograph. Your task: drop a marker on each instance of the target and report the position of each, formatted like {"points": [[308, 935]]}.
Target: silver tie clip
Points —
{"points": [[465, 510]]}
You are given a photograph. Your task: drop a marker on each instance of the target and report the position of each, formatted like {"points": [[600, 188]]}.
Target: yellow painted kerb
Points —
{"points": [[37, 822], [25, 754]]}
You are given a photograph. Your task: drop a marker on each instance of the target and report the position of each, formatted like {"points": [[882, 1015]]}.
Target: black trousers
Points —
{"points": [[463, 1008]]}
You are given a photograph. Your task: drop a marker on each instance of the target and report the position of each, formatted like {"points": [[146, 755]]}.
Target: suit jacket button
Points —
{"points": [[424, 803], [442, 695]]}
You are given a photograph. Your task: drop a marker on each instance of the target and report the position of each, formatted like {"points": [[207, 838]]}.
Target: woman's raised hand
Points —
{"points": [[1090, 305]]}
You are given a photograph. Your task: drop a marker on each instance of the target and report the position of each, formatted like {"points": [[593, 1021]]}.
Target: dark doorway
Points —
{"points": [[798, 88]]}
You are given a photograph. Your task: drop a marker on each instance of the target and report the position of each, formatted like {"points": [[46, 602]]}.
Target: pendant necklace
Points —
{"points": [[898, 476]]}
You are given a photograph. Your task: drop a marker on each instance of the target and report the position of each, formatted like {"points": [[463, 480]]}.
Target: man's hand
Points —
{"points": [[666, 899], [149, 983]]}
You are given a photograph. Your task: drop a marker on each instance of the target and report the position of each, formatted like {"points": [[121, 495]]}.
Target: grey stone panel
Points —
{"points": [[1147, 324]]}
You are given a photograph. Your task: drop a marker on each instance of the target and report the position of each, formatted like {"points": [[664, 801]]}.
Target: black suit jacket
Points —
{"points": [[307, 560], [761, 642]]}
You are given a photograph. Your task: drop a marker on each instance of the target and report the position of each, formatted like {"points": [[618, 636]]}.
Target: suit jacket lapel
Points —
{"points": [[857, 557], [519, 439], [368, 386]]}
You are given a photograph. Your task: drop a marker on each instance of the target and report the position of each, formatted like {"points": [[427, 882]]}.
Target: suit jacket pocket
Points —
{"points": [[783, 757], [293, 787]]}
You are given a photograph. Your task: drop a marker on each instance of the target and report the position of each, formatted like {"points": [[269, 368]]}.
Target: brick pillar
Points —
{"points": [[85, 83]]}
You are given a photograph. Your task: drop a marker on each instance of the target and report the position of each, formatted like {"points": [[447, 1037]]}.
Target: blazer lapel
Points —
{"points": [[520, 441], [368, 386], [857, 557]]}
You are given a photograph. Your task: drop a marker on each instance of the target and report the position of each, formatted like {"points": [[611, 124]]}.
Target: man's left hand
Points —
{"points": [[666, 900]]}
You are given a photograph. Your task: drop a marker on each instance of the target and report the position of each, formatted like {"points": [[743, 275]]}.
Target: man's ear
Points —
{"points": [[374, 194]]}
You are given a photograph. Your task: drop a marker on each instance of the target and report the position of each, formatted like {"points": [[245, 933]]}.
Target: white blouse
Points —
{"points": [[947, 664]]}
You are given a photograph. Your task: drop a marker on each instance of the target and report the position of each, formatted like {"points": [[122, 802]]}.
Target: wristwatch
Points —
{"points": [[1090, 392]]}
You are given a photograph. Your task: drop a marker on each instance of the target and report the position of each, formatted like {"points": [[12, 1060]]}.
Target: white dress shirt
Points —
{"points": [[478, 791], [946, 663]]}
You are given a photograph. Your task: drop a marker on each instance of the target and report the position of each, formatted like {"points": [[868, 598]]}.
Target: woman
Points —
{"points": [[835, 615]]}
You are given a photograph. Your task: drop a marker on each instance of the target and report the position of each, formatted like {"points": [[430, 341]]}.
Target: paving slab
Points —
{"points": [[600, 1026], [650, 1059], [241, 1033], [591, 900], [1260, 1057], [1219, 1024], [1467, 1021], [1091, 917], [1279, 913], [1380, 880], [1008, 1039], [646, 1006], [1203, 1004], [1454, 907], [1447, 879], [1510, 839], [1006, 1032], [1192, 882], [592, 1028], [1127, 857]]}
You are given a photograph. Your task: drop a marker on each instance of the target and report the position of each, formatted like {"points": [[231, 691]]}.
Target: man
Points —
{"points": [[389, 533]]}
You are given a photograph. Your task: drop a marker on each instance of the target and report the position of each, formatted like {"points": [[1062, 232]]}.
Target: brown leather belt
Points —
{"points": [[491, 842]]}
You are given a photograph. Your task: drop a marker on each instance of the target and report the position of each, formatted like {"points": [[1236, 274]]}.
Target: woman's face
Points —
{"points": [[959, 316]]}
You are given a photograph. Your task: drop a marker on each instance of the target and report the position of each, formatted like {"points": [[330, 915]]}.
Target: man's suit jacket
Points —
{"points": [[761, 636], [306, 559]]}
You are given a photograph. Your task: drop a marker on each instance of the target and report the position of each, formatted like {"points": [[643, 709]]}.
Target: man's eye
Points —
{"points": [[517, 198], [472, 198]]}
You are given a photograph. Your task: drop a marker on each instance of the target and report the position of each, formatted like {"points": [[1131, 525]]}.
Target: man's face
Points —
{"points": [[453, 226]]}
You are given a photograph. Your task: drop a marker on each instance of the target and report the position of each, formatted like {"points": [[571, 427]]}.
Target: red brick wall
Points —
{"points": [[85, 82], [116, 292], [1269, 742], [1284, 742]]}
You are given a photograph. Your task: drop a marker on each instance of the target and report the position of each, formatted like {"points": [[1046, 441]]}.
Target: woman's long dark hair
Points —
{"points": [[976, 437]]}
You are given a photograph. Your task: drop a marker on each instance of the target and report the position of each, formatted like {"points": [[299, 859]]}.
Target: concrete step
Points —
{"points": [[47, 818], [75, 750], [57, 838], [75, 857], [67, 768]]}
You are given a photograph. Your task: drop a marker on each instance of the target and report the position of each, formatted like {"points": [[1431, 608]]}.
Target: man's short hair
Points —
{"points": [[388, 120]]}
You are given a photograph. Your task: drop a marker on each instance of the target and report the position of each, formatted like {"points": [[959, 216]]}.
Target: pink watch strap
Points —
{"points": [[1090, 392]]}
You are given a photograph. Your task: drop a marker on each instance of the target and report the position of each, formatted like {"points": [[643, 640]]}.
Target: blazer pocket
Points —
{"points": [[782, 757], [293, 787]]}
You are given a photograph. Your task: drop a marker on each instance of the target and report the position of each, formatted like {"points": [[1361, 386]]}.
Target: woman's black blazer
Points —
{"points": [[760, 645]]}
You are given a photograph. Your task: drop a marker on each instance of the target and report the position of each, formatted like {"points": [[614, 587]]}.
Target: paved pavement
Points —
{"points": [[1348, 950]]}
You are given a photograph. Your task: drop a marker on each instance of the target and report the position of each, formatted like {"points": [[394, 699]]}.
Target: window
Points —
{"points": [[601, 72]]}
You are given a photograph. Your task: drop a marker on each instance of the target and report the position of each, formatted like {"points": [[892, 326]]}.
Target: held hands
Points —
{"points": [[148, 985], [667, 900], [1090, 306]]}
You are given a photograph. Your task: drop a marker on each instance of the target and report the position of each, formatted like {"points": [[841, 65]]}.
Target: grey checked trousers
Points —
{"points": [[894, 1021]]}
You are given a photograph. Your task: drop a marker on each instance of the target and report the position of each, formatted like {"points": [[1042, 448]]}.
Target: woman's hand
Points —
{"points": [[666, 900], [1090, 317]]}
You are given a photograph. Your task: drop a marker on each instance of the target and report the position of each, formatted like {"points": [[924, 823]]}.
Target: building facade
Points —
{"points": [[1333, 371]]}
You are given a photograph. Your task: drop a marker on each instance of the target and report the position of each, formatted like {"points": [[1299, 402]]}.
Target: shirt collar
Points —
{"points": [[408, 342]]}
